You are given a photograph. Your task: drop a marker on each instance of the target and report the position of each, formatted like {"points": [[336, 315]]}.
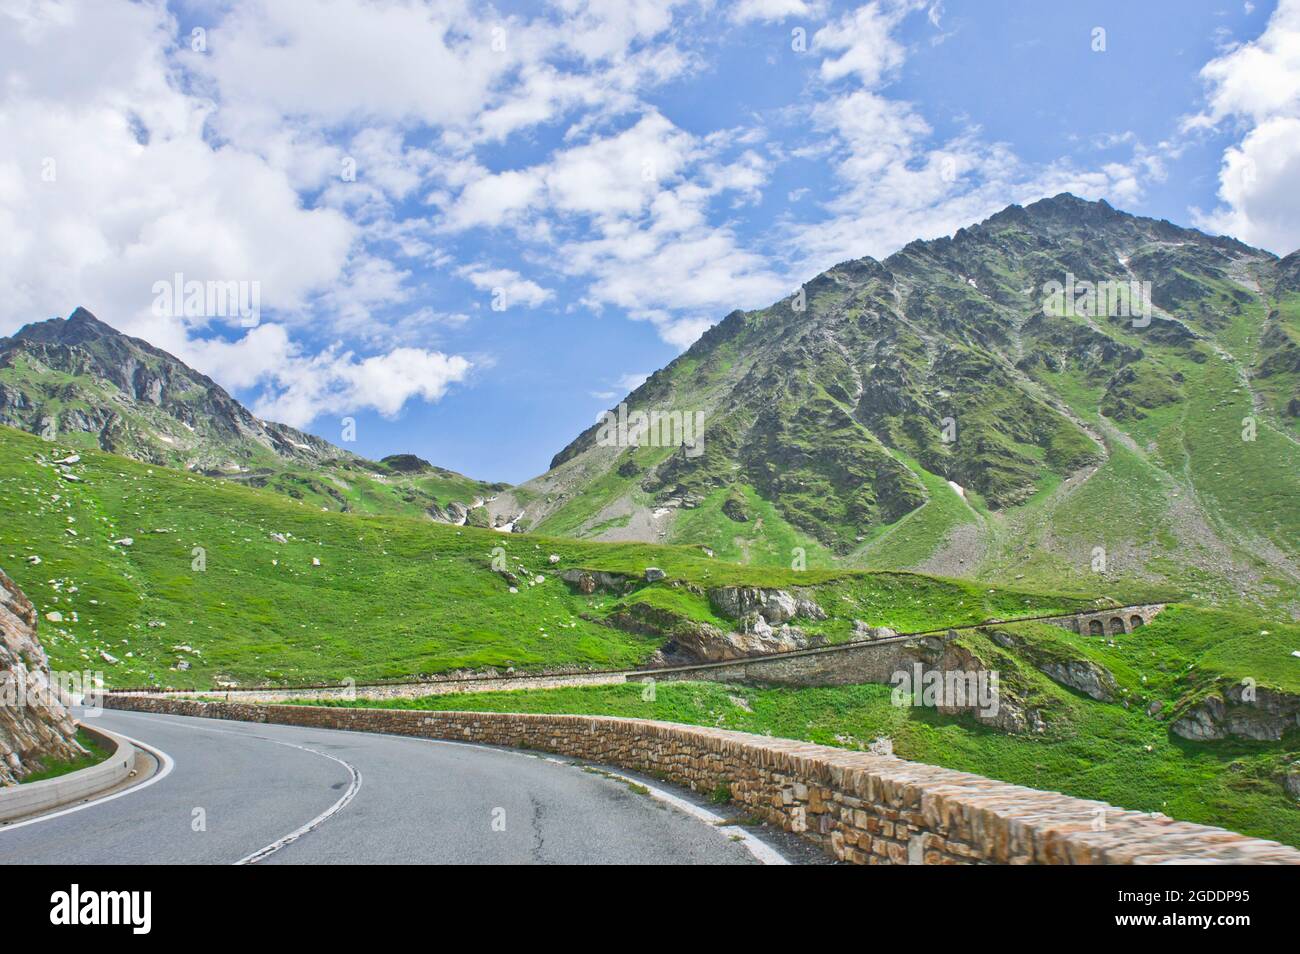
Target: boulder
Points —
{"points": [[653, 574], [588, 581], [864, 630], [707, 643], [1239, 711], [775, 606], [1086, 677]]}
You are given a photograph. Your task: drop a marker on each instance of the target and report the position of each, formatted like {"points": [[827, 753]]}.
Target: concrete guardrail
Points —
{"points": [[17, 801]]}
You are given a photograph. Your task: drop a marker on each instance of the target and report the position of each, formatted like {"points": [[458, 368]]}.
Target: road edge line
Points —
{"points": [[165, 765]]}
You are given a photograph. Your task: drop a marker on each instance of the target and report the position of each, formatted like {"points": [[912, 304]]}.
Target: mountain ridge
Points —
{"points": [[825, 427], [81, 381]]}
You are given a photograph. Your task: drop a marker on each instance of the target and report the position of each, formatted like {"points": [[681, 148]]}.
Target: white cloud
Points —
{"points": [[629, 213], [349, 60], [896, 183], [138, 194], [511, 287], [864, 42], [771, 11], [1258, 84], [135, 194], [336, 381], [1258, 80], [1260, 188]]}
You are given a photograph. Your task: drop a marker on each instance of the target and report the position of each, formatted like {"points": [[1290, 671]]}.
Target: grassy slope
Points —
{"points": [[1109, 751], [95, 753], [392, 597], [1183, 500]]}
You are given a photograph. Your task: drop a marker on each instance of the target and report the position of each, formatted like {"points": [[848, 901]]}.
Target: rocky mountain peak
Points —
{"points": [[136, 400]]}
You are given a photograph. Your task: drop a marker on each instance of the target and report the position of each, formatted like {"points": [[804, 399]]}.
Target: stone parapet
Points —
{"points": [[863, 808]]}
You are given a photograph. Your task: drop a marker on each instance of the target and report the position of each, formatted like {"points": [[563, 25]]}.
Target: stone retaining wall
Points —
{"points": [[847, 664], [396, 690], [864, 808]]}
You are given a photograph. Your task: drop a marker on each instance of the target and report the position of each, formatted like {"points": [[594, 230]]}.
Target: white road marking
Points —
{"points": [[165, 766], [297, 833], [759, 849], [273, 847]]}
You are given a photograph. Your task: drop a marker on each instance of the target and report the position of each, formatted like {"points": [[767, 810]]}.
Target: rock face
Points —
{"points": [[690, 641], [1292, 781], [33, 724], [1239, 712], [137, 400], [1077, 673], [589, 581], [710, 644], [773, 606]]}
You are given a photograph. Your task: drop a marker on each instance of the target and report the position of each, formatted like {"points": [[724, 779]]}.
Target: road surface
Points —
{"points": [[271, 794]]}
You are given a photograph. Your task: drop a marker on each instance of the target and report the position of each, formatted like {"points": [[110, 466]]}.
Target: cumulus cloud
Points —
{"points": [[337, 381], [507, 286], [895, 181], [863, 43], [110, 183], [1257, 85], [771, 11], [106, 184], [630, 213], [297, 388]]}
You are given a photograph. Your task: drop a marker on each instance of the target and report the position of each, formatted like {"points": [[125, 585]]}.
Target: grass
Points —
{"points": [[204, 582], [95, 753], [1095, 750]]}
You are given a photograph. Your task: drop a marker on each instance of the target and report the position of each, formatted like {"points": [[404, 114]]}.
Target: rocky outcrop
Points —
{"points": [[589, 581], [1073, 672], [34, 725], [773, 606], [1239, 711], [706, 643], [689, 641], [1291, 781], [864, 630]]}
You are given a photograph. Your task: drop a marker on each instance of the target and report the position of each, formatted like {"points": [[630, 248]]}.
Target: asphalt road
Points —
{"points": [[270, 794]]}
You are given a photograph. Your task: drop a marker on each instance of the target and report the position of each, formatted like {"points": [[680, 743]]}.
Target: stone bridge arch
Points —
{"points": [[1110, 622]]}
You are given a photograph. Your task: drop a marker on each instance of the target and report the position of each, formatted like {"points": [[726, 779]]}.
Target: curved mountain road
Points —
{"points": [[270, 794]]}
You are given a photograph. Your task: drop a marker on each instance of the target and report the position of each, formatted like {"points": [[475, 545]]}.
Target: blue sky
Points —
{"points": [[617, 174]]}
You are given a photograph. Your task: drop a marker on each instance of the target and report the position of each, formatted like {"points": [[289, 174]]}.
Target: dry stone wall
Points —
{"points": [[864, 808]]}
